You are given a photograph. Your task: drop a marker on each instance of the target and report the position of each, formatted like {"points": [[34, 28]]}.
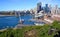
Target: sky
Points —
{"points": [[6, 5]]}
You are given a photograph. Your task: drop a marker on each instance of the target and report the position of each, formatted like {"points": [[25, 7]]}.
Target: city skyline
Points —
{"points": [[6, 5]]}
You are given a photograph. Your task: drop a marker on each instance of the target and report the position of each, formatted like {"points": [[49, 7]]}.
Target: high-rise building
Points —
{"points": [[55, 10], [39, 7], [56, 13], [50, 8], [46, 9], [59, 11]]}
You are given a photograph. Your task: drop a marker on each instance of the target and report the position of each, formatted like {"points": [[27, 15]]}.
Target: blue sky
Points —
{"points": [[24, 4]]}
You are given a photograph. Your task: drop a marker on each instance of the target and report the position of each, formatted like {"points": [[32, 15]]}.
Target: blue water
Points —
{"points": [[26, 20], [12, 21]]}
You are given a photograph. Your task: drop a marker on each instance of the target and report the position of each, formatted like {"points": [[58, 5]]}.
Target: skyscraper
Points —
{"points": [[55, 10], [46, 9], [39, 7], [50, 8]]}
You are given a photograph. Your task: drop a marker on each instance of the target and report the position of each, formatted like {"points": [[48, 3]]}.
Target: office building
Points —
{"points": [[39, 7], [47, 9]]}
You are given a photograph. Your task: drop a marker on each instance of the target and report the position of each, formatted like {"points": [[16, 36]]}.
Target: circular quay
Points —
{"points": [[29, 18]]}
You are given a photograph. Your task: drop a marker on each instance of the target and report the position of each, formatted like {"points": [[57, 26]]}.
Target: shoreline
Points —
{"points": [[16, 27], [6, 15], [3, 30]]}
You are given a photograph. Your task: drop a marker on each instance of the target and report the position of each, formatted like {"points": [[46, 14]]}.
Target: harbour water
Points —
{"points": [[6, 21], [12, 21]]}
